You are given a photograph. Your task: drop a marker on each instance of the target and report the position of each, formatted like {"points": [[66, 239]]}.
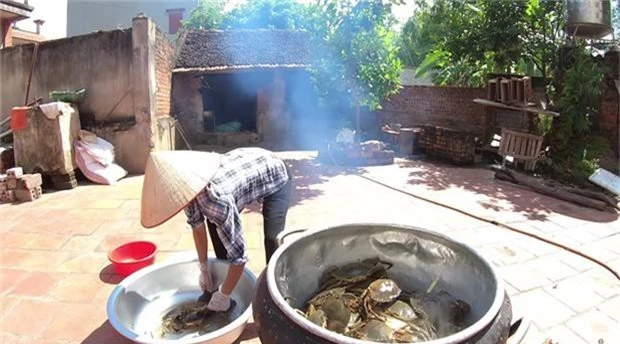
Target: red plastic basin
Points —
{"points": [[132, 256]]}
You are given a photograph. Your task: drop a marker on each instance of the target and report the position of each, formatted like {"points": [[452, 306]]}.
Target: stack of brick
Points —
{"points": [[456, 146], [17, 186]]}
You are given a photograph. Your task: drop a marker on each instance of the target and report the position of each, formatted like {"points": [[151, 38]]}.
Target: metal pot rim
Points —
{"points": [[131, 335], [307, 325]]}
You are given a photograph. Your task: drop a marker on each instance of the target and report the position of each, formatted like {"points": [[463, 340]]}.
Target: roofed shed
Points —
{"points": [[240, 87]]}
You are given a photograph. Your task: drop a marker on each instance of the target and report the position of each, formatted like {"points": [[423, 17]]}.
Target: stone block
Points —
{"points": [[14, 172]]}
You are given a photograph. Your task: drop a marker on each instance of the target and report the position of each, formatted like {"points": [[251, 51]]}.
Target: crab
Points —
{"points": [[373, 330], [401, 310], [337, 314], [378, 292], [319, 299], [185, 317], [355, 273], [317, 316]]}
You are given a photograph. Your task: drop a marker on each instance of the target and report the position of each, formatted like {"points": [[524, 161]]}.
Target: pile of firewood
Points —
{"points": [[583, 197]]}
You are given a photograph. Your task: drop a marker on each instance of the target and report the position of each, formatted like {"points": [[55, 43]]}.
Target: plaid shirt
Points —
{"points": [[245, 175]]}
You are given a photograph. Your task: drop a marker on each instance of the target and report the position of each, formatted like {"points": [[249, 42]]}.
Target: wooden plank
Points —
{"points": [[486, 102]]}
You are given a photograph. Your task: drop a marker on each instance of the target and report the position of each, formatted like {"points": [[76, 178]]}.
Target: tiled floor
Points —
{"points": [[55, 277]]}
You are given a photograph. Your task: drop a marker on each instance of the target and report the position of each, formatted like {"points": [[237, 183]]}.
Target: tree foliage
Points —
{"points": [[357, 56], [354, 54], [458, 42], [575, 150], [268, 14], [207, 15]]}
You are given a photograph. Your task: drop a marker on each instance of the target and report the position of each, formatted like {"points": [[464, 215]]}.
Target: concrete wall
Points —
{"points": [[100, 62], [92, 15], [118, 70]]}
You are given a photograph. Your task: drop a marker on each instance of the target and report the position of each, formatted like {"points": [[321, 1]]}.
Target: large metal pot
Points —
{"points": [[136, 305], [418, 255]]}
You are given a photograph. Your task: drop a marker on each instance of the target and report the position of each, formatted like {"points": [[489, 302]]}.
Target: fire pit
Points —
{"points": [[418, 256]]}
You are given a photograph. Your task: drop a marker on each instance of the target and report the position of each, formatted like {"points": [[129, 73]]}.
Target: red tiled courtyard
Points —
{"points": [[55, 276]]}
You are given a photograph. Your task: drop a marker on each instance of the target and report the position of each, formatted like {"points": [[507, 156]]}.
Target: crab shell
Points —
{"points": [[383, 290]]}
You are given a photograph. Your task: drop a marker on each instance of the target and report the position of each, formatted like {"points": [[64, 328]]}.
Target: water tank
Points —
{"points": [[588, 18]]}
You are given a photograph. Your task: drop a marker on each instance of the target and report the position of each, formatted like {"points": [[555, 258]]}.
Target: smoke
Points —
{"points": [[312, 114]]}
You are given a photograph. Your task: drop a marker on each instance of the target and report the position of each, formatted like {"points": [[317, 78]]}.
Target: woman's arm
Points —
{"points": [[201, 242], [232, 278]]}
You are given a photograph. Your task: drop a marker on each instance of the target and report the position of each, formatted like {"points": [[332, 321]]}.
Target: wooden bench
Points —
{"points": [[522, 147]]}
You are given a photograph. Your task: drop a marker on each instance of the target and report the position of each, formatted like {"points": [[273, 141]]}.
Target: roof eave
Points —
{"points": [[226, 69]]}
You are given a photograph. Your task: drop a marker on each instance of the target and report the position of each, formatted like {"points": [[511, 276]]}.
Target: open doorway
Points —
{"points": [[230, 101]]}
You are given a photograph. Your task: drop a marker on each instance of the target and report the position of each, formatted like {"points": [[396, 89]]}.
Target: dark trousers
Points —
{"points": [[275, 207]]}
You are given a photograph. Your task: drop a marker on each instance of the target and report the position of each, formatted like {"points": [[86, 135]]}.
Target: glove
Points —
{"points": [[219, 302], [205, 281]]}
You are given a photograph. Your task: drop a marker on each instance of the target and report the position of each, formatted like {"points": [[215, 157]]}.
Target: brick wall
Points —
{"points": [[164, 62], [443, 106]]}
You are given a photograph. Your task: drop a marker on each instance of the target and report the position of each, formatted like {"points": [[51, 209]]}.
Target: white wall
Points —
{"points": [[54, 12]]}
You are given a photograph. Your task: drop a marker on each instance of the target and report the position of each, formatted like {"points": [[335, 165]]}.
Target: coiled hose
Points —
{"points": [[496, 223]]}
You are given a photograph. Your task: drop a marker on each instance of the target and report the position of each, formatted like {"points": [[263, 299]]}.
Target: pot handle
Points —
{"points": [[280, 238]]}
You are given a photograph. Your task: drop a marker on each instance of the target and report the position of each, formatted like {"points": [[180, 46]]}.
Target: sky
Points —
{"points": [[54, 12]]}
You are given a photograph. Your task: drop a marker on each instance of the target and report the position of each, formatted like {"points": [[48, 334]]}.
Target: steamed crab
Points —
{"points": [[361, 301], [354, 273], [379, 292]]}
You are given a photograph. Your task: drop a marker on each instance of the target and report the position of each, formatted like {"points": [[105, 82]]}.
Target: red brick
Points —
{"points": [[29, 181]]}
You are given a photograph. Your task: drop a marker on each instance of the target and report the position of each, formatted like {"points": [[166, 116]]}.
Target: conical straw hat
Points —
{"points": [[172, 180]]}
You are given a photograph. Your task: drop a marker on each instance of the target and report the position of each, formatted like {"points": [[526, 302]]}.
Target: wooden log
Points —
{"points": [[534, 184], [594, 195]]}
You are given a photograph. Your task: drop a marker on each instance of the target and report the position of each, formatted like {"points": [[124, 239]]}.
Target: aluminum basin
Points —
{"points": [[418, 255], [136, 305]]}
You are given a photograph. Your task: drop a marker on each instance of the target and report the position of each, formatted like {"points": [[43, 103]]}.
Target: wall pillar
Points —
{"points": [[6, 33], [143, 88]]}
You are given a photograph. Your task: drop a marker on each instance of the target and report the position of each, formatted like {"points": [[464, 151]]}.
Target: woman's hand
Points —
{"points": [[220, 302]]}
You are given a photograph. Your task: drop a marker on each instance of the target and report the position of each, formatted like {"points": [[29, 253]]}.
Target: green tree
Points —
{"points": [[575, 150], [354, 54], [268, 14], [357, 58], [207, 15]]}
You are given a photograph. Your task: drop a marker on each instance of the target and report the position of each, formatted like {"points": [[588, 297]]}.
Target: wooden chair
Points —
{"points": [[523, 147]]}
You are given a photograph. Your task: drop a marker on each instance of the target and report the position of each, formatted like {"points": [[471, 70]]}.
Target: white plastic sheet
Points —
{"points": [[96, 161]]}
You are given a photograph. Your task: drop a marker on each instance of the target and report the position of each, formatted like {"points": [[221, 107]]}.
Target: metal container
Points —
{"points": [[419, 256], [588, 18], [137, 304]]}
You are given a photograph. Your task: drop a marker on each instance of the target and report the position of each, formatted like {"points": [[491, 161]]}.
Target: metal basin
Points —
{"points": [[137, 304], [418, 255]]}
